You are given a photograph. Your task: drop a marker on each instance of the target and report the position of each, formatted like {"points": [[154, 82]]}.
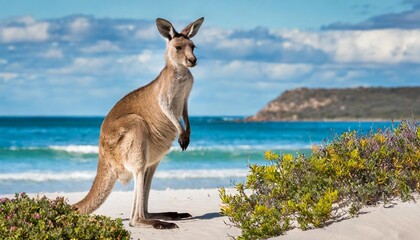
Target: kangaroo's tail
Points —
{"points": [[100, 190]]}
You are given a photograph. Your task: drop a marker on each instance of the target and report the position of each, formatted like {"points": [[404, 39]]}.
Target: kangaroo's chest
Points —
{"points": [[179, 93]]}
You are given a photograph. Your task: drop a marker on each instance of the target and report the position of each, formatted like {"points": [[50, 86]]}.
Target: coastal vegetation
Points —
{"points": [[334, 182], [23, 217]]}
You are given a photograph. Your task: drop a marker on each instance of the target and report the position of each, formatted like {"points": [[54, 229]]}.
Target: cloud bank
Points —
{"points": [[81, 65], [404, 20]]}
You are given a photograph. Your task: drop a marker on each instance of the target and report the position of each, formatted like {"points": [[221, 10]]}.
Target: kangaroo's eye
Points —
{"points": [[178, 48]]}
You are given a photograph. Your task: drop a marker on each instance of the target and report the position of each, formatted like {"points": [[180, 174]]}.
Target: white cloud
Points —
{"points": [[30, 31], [145, 56], [7, 76], [53, 53], [26, 20], [82, 81], [90, 63], [126, 27], [79, 25], [210, 35], [377, 46], [283, 71], [146, 64], [387, 46], [333, 77], [251, 70], [82, 65], [148, 33], [239, 47], [101, 46], [3, 61], [384, 46]]}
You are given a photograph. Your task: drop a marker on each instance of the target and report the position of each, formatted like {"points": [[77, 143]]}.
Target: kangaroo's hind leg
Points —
{"points": [[139, 214], [134, 150], [161, 215]]}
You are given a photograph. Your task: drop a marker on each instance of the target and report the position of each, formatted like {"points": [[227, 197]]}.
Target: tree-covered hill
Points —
{"points": [[342, 104]]}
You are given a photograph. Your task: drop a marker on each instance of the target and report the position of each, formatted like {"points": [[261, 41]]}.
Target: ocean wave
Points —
{"points": [[244, 147], [80, 149], [89, 175], [47, 176], [91, 149], [201, 173], [85, 149]]}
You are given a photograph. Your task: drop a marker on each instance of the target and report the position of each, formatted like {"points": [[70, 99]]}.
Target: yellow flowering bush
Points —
{"points": [[336, 180]]}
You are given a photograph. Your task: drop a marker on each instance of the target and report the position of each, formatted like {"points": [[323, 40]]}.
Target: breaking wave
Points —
{"points": [[92, 149], [89, 175]]}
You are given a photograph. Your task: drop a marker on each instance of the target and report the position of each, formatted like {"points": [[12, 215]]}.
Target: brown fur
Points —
{"points": [[140, 128]]}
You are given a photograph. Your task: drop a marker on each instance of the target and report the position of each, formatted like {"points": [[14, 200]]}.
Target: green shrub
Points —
{"points": [[335, 181], [27, 218]]}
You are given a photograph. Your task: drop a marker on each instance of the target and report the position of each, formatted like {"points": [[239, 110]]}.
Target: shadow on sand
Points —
{"points": [[208, 216]]}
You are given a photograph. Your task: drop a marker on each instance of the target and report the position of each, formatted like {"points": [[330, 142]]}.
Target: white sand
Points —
{"points": [[399, 222], [203, 205], [402, 221]]}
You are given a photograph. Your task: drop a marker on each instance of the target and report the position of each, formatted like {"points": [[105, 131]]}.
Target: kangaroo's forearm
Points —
{"points": [[186, 118]]}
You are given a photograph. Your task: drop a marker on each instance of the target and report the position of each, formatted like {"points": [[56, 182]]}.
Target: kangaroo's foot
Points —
{"points": [[154, 223], [169, 215]]}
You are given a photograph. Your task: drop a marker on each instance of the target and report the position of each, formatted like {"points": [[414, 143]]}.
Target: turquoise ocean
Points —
{"points": [[54, 154]]}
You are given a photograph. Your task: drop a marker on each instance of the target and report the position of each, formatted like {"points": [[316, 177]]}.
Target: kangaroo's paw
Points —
{"points": [[154, 223], [164, 225], [169, 215]]}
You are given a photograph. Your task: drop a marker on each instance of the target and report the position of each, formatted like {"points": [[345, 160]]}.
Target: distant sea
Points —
{"points": [[54, 154]]}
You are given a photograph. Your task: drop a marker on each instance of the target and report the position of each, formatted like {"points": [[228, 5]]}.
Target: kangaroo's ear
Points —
{"points": [[165, 28], [193, 28]]}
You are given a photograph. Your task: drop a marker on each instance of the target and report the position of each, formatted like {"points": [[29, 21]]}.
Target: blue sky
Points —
{"points": [[79, 57]]}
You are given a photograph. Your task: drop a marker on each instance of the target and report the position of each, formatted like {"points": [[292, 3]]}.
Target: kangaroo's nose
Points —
{"points": [[193, 61]]}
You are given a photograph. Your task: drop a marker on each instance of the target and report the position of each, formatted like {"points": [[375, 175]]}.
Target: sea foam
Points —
{"points": [[92, 149], [47, 176], [89, 175], [86, 149], [201, 173]]}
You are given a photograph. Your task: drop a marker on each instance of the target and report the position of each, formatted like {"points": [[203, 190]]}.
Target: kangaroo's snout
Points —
{"points": [[192, 62]]}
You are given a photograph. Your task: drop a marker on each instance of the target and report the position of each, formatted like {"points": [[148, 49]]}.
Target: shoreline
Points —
{"points": [[396, 221]]}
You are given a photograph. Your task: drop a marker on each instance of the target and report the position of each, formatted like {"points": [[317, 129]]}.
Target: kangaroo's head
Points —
{"points": [[180, 48]]}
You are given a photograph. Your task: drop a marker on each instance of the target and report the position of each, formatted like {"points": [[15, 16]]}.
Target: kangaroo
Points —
{"points": [[140, 128]]}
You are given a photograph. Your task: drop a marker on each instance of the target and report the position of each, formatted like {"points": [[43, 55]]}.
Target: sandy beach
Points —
{"points": [[399, 221], [203, 205]]}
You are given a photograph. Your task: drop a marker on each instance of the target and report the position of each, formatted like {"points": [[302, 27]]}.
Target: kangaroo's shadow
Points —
{"points": [[207, 216]]}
